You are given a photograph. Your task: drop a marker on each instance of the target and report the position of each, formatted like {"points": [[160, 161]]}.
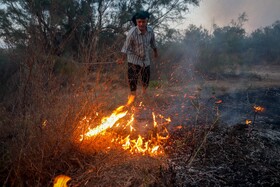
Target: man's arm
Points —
{"points": [[126, 46]]}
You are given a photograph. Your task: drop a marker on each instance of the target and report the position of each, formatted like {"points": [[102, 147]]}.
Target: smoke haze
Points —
{"points": [[260, 13]]}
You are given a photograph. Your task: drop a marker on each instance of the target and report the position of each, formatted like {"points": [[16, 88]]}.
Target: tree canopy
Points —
{"points": [[79, 26]]}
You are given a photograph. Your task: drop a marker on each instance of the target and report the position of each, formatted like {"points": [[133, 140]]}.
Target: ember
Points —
{"points": [[219, 102], [248, 122], [258, 109]]}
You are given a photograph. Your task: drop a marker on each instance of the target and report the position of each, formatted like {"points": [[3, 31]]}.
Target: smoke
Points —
{"points": [[239, 88], [260, 13]]}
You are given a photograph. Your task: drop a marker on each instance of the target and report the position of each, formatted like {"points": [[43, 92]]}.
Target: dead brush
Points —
{"points": [[36, 135], [40, 142]]}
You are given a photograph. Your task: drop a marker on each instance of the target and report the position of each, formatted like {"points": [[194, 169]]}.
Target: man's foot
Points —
{"points": [[144, 90], [131, 97]]}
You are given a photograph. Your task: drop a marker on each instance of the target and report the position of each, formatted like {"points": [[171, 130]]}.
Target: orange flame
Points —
{"points": [[61, 181], [151, 145], [139, 145], [130, 100], [107, 122]]}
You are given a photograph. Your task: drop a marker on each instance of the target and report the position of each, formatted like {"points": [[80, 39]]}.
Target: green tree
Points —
{"points": [[195, 42], [264, 43], [226, 47]]}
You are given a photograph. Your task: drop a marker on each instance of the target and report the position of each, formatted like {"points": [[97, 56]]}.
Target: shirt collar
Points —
{"points": [[148, 29]]}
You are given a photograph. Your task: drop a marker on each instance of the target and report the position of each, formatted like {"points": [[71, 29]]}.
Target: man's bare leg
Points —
{"points": [[144, 90]]}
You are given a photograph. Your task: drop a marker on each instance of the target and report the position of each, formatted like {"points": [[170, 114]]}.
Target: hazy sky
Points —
{"points": [[260, 13]]}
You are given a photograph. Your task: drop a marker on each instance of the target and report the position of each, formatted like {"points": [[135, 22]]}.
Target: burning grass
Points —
{"points": [[147, 143]]}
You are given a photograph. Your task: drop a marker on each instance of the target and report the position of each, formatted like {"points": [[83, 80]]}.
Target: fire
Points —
{"points": [[107, 122], [139, 145], [258, 109], [151, 143], [61, 181], [135, 146], [130, 100], [248, 122]]}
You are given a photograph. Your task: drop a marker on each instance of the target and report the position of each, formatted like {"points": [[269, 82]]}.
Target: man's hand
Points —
{"points": [[155, 53], [121, 59]]}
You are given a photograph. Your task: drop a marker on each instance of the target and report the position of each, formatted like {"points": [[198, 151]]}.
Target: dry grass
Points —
{"points": [[39, 141], [250, 78]]}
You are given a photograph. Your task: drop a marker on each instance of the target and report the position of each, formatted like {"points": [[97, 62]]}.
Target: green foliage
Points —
{"points": [[265, 44], [195, 40]]}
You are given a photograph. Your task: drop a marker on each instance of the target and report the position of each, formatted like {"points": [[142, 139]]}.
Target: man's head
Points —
{"points": [[141, 20]]}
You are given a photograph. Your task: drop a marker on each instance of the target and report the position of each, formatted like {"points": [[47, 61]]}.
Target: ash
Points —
{"points": [[229, 152]]}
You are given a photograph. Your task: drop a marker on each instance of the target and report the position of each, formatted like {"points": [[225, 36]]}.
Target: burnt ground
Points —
{"points": [[227, 152], [238, 107], [232, 156]]}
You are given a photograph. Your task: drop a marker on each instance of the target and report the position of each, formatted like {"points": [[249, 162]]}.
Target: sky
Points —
{"points": [[260, 13]]}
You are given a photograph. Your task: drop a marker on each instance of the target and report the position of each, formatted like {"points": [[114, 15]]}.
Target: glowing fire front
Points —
{"points": [[107, 122], [151, 143]]}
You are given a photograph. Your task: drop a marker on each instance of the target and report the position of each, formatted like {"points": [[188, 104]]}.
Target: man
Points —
{"points": [[136, 50]]}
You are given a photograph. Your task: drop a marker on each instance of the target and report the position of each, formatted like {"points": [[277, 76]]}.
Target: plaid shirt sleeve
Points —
{"points": [[127, 43]]}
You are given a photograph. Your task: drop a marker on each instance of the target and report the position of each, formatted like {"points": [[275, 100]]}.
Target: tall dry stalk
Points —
{"points": [[36, 138]]}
